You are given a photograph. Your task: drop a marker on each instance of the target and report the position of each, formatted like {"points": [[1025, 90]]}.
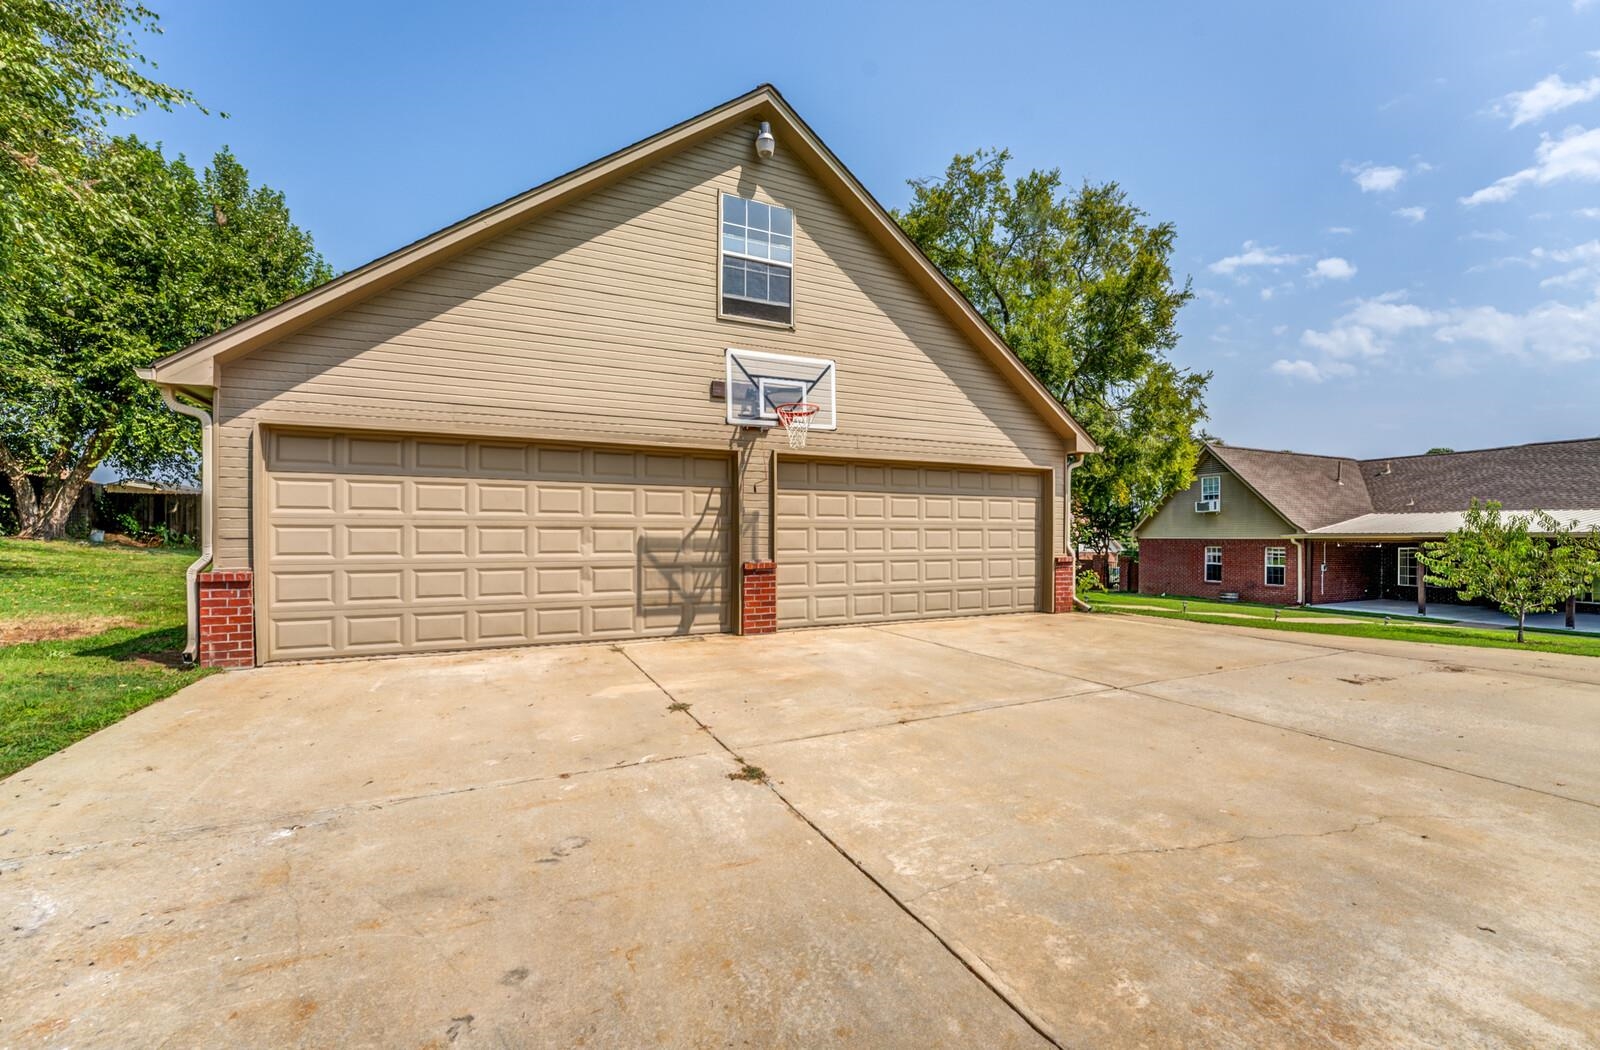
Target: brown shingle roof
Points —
{"points": [[1309, 491], [1552, 474]]}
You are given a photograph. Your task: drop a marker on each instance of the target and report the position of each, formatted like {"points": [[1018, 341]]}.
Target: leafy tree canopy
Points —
{"points": [[1524, 563], [1080, 285], [199, 252]]}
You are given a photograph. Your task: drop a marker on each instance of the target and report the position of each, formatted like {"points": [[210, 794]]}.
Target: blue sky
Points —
{"points": [[1391, 211]]}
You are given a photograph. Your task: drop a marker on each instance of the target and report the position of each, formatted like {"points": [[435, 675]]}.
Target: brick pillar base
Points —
{"points": [[1066, 582], [758, 611], [227, 619]]}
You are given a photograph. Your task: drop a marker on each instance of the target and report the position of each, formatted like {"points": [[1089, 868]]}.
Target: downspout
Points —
{"points": [[1072, 547], [208, 488]]}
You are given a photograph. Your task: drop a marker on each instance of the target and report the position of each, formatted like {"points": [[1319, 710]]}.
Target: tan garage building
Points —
{"points": [[571, 417]]}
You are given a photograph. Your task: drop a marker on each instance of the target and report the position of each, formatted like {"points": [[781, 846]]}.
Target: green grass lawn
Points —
{"points": [[88, 635], [1406, 630]]}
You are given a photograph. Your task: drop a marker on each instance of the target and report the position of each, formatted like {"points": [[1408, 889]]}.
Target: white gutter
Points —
{"points": [[208, 490]]}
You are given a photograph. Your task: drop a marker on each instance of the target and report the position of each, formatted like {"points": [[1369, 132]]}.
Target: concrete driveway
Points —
{"points": [[1019, 831]]}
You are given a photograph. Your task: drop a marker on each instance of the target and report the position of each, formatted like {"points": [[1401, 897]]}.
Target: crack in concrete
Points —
{"points": [[309, 818], [1154, 850]]}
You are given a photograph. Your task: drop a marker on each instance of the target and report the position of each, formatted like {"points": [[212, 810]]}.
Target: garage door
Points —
{"points": [[861, 542], [392, 545]]}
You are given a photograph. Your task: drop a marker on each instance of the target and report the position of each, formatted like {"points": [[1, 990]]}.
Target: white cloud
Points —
{"points": [[1253, 255], [1550, 95], [1375, 329], [1340, 230], [1208, 295], [1573, 156], [1332, 269], [1555, 332], [1376, 178], [1487, 235], [1587, 257], [1298, 369], [1588, 213], [1267, 294], [1415, 213]]}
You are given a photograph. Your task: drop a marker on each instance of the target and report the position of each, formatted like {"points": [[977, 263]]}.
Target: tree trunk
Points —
{"points": [[1522, 619], [44, 515]]}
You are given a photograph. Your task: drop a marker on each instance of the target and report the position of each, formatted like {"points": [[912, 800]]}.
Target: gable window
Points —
{"points": [[1213, 564], [1277, 566], [1211, 486], [1406, 567], [757, 260]]}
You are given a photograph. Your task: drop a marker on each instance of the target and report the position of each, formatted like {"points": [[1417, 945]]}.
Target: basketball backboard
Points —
{"points": [[758, 382]]}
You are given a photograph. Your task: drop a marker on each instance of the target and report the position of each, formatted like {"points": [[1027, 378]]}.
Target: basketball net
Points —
{"points": [[796, 419]]}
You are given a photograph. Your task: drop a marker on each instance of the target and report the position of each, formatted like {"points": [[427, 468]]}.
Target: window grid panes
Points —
{"points": [[757, 252], [1277, 566], [1213, 564], [1406, 570], [1211, 486]]}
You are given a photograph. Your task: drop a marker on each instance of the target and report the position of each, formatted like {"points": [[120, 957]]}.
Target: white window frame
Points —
{"points": [[1400, 567], [723, 253], [1206, 563], [1282, 554], [1204, 479], [766, 384]]}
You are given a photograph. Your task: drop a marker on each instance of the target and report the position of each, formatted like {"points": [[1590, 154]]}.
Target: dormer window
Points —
{"points": [[757, 271]]}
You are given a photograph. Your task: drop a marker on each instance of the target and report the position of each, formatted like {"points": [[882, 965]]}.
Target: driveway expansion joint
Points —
{"points": [[969, 961]]}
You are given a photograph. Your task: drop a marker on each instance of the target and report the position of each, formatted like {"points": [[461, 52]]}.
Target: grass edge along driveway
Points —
{"points": [[1245, 614], [109, 623]]}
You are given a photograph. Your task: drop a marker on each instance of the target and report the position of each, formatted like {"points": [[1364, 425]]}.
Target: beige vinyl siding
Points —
{"points": [[567, 328], [1244, 515]]}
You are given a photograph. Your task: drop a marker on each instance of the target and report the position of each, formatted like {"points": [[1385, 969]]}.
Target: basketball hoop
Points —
{"points": [[796, 419]]}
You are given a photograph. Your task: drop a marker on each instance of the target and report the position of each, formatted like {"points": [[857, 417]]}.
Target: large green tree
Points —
{"points": [[195, 253], [1524, 563], [1080, 284], [110, 255], [68, 68]]}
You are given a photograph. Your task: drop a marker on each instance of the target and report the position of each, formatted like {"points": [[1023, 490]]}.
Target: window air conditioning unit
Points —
{"points": [[1207, 506]]}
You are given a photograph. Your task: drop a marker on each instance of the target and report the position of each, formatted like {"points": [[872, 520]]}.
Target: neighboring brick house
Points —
{"points": [[1290, 528]]}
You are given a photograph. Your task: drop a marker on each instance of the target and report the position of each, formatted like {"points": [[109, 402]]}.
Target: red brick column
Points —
{"points": [[1066, 581], [758, 612], [227, 619]]}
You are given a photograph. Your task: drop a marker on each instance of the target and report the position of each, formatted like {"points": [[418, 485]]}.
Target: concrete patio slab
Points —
{"points": [[293, 739], [652, 905], [971, 838], [1118, 651], [1536, 732], [802, 683], [1144, 874]]}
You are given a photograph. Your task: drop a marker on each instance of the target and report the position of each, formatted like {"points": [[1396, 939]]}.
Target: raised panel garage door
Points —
{"points": [[408, 544], [858, 542]]}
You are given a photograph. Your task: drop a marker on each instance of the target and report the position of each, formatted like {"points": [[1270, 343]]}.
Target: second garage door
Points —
{"points": [[377, 544], [858, 542]]}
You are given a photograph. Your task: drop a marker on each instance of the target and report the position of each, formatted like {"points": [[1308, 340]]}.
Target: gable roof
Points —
{"points": [[1338, 495], [197, 364], [1308, 491]]}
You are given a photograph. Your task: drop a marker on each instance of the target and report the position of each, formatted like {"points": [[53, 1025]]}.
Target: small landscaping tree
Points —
{"points": [[1524, 563]]}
